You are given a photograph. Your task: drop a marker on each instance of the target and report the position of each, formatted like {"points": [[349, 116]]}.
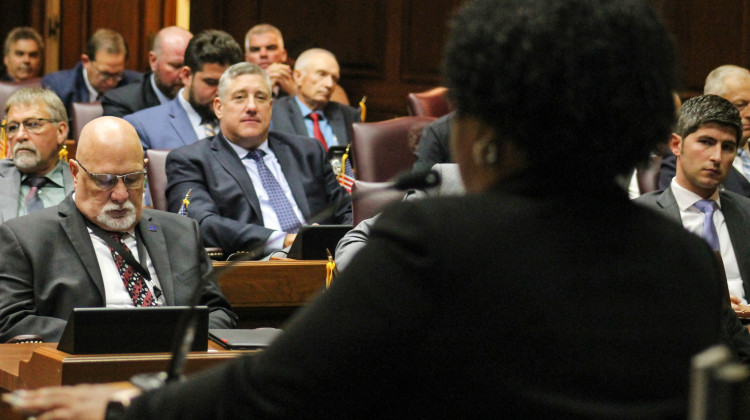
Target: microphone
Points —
{"points": [[186, 330]]}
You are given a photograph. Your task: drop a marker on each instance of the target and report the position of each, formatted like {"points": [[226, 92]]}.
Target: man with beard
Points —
{"points": [[190, 116], [22, 55], [160, 85], [66, 256], [34, 178]]}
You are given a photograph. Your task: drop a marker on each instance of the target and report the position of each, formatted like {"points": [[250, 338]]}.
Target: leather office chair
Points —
{"points": [[372, 198], [7, 89], [83, 112], [383, 149], [157, 177], [430, 103]]}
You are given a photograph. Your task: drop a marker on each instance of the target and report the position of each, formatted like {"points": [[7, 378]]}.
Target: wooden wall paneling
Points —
{"points": [[423, 39], [74, 30]]}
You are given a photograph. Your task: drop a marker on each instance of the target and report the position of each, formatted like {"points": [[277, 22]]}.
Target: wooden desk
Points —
{"points": [[266, 293]]}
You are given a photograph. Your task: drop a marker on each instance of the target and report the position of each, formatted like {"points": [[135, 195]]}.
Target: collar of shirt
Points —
{"points": [[195, 119], [323, 122], [242, 152], [162, 98], [55, 176], [93, 94], [686, 198]]}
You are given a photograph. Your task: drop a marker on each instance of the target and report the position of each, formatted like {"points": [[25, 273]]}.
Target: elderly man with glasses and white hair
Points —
{"points": [[81, 252]]}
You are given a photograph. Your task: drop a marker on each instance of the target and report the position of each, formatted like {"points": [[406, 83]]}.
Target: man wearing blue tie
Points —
{"points": [[708, 135]]}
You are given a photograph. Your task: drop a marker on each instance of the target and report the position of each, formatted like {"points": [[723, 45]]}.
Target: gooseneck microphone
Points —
{"points": [[185, 333]]}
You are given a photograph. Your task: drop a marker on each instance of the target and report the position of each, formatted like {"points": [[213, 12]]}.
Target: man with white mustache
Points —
{"points": [[35, 177], [99, 247]]}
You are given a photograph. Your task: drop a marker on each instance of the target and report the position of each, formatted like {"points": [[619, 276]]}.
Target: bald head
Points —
{"points": [[316, 74], [167, 58], [109, 147]]}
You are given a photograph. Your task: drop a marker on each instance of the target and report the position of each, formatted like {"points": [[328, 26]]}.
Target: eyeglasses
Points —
{"points": [[107, 75], [108, 181], [32, 125]]}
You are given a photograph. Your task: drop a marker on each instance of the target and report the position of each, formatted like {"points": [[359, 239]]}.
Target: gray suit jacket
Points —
{"points": [[163, 127], [49, 267], [287, 118], [10, 185]]}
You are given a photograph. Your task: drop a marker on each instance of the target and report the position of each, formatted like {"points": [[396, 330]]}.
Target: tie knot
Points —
{"points": [[314, 116], [116, 236], [256, 155], [35, 181], [706, 206]]}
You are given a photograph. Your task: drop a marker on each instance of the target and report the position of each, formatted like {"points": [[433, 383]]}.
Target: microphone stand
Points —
{"points": [[185, 333]]}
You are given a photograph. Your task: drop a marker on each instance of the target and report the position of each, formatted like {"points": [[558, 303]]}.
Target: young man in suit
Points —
{"points": [[101, 69], [231, 196], [59, 258], [34, 177], [189, 117], [311, 112], [161, 84], [705, 143]]}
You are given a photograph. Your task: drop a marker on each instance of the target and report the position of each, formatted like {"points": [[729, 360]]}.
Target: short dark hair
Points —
{"points": [[584, 87], [19, 33], [107, 40], [708, 109], [212, 46]]}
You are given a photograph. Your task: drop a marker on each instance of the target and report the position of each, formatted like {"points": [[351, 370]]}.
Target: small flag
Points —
{"points": [[362, 109], [4, 146], [185, 204], [346, 173]]}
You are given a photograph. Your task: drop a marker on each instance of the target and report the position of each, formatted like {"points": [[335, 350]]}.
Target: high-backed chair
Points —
{"points": [[83, 112], [157, 177], [383, 149], [7, 89], [430, 103], [371, 198]]}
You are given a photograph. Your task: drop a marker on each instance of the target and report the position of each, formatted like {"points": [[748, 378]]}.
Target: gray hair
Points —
{"points": [[715, 80], [240, 69], [304, 59], [700, 110], [263, 28], [35, 95]]}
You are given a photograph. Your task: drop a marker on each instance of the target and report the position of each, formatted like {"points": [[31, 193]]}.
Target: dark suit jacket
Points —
{"points": [[735, 181], [128, 99], [287, 118], [70, 86], [434, 146], [736, 210], [558, 303], [163, 127], [223, 199], [49, 267]]}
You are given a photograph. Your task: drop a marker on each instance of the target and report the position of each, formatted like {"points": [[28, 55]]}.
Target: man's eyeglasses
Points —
{"points": [[105, 75], [32, 125], [108, 181]]}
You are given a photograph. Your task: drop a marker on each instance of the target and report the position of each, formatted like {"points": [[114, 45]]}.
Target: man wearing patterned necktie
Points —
{"points": [[34, 178], [251, 188], [99, 247], [708, 135]]}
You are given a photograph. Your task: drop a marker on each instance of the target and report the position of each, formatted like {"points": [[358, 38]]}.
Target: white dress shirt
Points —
{"points": [[692, 220], [270, 220], [115, 293], [93, 94], [195, 119]]}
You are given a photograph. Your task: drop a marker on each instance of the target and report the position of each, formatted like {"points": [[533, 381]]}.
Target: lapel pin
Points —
{"points": [[152, 228]]}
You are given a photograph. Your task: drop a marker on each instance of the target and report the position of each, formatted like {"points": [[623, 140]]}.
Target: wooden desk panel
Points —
{"points": [[267, 284]]}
